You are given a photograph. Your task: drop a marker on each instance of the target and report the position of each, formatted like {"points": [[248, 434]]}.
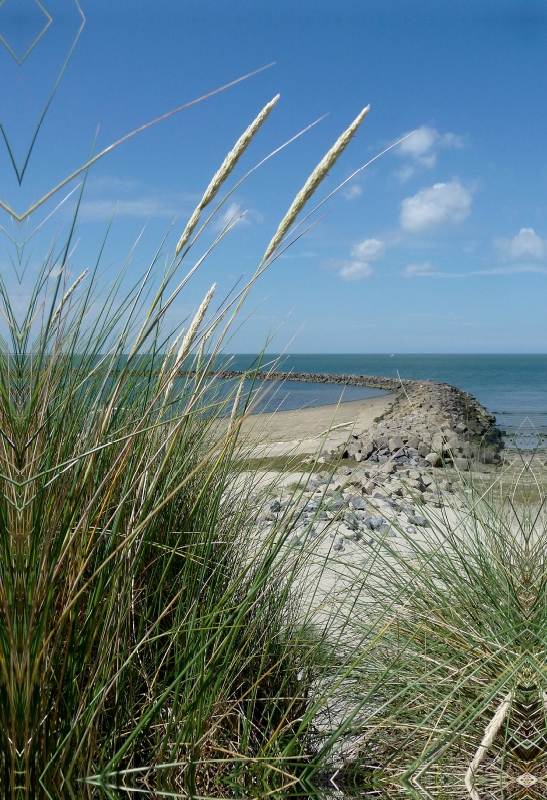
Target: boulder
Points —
{"points": [[395, 443], [358, 502], [417, 519], [451, 445], [434, 459], [461, 463]]}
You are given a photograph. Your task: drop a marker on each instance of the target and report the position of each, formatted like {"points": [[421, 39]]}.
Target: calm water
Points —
{"points": [[513, 387]]}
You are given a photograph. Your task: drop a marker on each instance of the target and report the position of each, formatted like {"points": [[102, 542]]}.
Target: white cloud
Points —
{"points": [[427, 270], [349, 270], [355, 271], [233, 215], [440, 204], [421, 147], [524, 246], [358, 267], [405, 173], [414, 270], [352, 191], [368, 250]]}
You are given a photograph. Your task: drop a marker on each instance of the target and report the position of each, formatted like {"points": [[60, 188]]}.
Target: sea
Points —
{"points": [[513, 387]]}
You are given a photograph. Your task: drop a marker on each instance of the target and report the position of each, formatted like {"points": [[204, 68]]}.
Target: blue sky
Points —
{"points": [[439, 246]]}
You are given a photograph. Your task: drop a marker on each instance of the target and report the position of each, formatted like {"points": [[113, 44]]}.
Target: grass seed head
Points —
{"points": [[223, 173], [313, 182]]}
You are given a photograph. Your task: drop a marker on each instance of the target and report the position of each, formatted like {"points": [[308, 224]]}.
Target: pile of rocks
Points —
{"points": [[358, 506], [430, 424]]}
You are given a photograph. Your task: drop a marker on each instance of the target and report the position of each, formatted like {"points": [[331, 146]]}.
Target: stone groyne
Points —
{"points": [[428, 421]]}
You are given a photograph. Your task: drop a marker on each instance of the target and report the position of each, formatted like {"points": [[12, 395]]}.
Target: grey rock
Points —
{"points": [[339, 544], [395, 443], [336, 504], [416, 519], [411, 529], [375, 523], [275, 506], [358, 502], [393, 504], [461, 463], [351, 521], [434, 459]]}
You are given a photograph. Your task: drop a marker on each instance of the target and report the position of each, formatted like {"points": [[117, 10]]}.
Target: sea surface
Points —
{"points": [[513, 387]]}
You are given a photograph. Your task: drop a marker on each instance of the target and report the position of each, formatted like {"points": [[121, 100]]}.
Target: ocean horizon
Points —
{"points": [[513, 387]]}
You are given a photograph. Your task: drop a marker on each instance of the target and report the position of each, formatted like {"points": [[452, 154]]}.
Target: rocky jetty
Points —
{"points": [[429, 425]]}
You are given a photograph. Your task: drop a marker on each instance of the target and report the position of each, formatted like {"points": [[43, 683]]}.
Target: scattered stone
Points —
{"points": [[375, 523], [434, 459], [358, 502], [336, 504], [275, 506], [417, 519]]}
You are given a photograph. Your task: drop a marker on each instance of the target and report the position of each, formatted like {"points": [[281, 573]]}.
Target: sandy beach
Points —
{"points": [[305, 429]]}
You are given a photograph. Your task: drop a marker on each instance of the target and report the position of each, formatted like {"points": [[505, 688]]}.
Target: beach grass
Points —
{"points": [[154, 639], [146, 639], [449, 696]]}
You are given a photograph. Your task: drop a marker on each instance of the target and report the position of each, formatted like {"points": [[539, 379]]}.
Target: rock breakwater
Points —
{"points": [[430, 424]]}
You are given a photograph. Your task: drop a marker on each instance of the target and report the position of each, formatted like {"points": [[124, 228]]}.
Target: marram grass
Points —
{"points": [[151, 643], [450, 696], [142, 642]]}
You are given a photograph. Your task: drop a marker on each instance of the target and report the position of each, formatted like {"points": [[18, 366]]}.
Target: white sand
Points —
{"points": [[307, 430]]}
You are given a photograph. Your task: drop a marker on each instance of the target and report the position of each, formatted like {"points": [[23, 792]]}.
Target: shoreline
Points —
{"points": [[302, 430], [440, 422]]}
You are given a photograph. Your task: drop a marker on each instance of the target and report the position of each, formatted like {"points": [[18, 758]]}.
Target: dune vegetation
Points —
{"points": [[152, 641], [138, 634]]}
